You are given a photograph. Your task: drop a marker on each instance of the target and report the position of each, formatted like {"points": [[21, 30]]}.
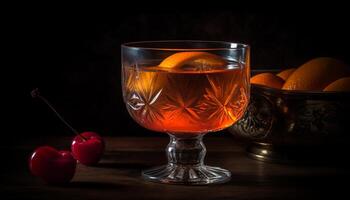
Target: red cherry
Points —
{"points": [[88, 148], [54, 167]]}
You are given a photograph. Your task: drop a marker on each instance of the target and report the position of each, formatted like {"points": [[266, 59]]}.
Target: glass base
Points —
{"points": [[185, 155], [187, 175]]}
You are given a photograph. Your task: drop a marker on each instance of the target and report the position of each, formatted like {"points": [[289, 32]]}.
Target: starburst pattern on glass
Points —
{"points": [[182, 101]]}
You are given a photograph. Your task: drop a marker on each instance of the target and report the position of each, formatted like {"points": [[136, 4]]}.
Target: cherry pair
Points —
{"points": [[58, 167]]}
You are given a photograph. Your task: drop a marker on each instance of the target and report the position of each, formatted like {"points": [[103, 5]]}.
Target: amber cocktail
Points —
{"points": [[186, 89]]}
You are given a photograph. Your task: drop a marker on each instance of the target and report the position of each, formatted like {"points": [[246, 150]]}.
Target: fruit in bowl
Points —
{"points": [[296, 111], [315, 75], [267, 79]]}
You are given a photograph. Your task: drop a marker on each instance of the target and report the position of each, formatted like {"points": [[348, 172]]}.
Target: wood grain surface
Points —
{"points": [[118, 174]]}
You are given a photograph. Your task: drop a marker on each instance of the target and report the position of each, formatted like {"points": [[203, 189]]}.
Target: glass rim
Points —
{"points": [[142, 45]]}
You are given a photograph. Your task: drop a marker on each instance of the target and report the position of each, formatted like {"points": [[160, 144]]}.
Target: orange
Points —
{"points": [[342, 84], [286, 73], [267, 79], [316, 74], [178, 60], [147, 82]]}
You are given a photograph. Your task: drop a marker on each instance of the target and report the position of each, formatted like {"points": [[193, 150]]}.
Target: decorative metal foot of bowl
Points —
{"points": [[292, 126]]}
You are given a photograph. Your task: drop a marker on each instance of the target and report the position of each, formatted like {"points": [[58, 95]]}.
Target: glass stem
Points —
{"points": [[186, 149]]}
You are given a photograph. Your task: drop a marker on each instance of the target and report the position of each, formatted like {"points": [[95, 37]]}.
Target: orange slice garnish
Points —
{"points": [[178, 60]]}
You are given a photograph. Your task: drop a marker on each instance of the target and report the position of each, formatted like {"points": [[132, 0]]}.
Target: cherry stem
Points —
{"points": [[36, 94]]}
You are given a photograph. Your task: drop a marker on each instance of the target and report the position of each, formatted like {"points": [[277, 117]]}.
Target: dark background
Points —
{"points": [[75, 60]]}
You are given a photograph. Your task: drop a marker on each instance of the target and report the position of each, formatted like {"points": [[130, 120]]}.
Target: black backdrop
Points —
{"points": [[75, 61]]}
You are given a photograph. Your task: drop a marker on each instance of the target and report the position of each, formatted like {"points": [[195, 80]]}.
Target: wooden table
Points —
{"points": [[118, 175]]}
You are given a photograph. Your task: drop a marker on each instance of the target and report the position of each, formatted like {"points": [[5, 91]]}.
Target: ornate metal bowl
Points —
{"points": [[288, 126]]}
